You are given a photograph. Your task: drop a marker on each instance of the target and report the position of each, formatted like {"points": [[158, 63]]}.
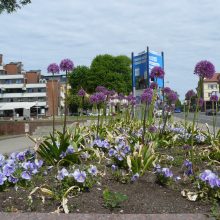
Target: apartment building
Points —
{"points": [[210, 87], [26, 93]]}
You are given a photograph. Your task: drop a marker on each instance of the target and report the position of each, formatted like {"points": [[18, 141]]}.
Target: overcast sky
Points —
{"points": [[49, 30]]}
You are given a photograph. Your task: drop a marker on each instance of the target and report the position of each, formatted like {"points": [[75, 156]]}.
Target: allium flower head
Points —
{"points": [[166, 90], [172, 97], [147, 95], [81, 92], [190, 94], [157, 72], [153, 85], [214, 98], [53, 68], [66, 65], [97, 98], [204, 69]]}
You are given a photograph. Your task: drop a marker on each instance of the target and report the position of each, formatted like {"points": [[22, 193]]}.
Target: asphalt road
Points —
{"points": [[202, 118]]}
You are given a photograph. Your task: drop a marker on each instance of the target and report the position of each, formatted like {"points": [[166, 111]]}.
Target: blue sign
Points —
{"points": [[142, 64]]}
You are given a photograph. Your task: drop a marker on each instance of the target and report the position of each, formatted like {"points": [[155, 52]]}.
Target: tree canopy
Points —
{"points": [[12, 5], [113, 72]]}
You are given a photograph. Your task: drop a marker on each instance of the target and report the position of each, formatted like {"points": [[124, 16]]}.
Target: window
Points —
{"points": [[212, 86]]}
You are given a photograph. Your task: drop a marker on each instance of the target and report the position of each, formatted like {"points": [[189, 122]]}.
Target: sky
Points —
{"points": [[48, 31]]}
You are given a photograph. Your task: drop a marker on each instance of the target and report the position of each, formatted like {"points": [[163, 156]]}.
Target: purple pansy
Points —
{"points": [[3, 178], [135, 177], [79, 176], [25, 175], [93, 170], [62, 174]]}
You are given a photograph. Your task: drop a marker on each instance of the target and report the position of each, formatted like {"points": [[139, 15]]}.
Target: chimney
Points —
{"points": [[1, 59]]}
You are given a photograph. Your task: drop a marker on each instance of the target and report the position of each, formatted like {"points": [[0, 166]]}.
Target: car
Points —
{"points": [[211, 112], [177, 110]]}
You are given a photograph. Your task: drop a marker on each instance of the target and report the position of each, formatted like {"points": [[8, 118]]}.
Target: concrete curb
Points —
{"points": [[50, 216]]}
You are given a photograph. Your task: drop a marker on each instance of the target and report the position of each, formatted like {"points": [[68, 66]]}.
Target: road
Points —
{"points": [[202, 118]]}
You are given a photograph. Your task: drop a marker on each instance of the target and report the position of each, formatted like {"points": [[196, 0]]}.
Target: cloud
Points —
{"points": [[48, 31]]}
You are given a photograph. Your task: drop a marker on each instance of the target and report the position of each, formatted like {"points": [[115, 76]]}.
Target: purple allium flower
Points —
{"points": [[62, 174], [135, 177], [66, 65], [93, 170], [130, 97], [167, 172], [101, 97], [70, 150], [153, 85], [133, 101], [157, 72], [25, 175], [172, 97], [201, 102], [189, 94], [79, 176], [214, 98], [152, 129], [121, 96], [3, 178], [147, 95], [81, 92], [100, 89], [97, 98], [114, 167], [204, 69], [166, 90], [53, 68]]}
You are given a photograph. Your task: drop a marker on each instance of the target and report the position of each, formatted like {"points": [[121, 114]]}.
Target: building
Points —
{"points": [[210, 87], [26, 93]]}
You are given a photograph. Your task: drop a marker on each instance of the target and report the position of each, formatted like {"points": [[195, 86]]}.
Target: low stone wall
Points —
{"points": [[22, 127]]}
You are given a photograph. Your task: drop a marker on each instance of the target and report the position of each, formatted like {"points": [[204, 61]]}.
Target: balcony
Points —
{"points": [[23, 95]]}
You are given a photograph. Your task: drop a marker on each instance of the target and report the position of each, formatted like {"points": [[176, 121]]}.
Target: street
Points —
{"points": [[202, 118]]}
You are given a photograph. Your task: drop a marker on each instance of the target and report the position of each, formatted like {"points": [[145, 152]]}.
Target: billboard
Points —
{"points": [[142, 65]]}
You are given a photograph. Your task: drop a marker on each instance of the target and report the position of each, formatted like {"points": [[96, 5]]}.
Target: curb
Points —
{"points": [[50, 216]]}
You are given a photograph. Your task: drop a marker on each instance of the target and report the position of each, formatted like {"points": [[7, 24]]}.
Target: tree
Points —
{"points": [[12, 5]]}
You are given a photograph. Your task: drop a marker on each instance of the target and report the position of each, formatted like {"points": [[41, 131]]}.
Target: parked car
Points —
{"points": [[177, 110], [210, 112]]}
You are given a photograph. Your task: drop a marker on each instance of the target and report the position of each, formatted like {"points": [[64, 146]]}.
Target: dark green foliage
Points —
{"points": [[12, 5], [52, 147], [113, 199]]}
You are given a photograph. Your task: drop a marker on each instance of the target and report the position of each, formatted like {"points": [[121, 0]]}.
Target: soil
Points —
{"points": [[144, 196]]}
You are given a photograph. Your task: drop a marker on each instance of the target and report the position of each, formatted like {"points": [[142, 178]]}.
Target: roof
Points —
{"points": [[16, 105], [213, 79]]}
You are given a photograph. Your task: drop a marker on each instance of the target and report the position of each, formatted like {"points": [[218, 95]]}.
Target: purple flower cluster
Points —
{"points": [[172, 97], [70, 150], [81, 92], [189, 94], [214, 98], [120, 151], [147, 96], [53, 68], [100, 89], [210, 178], [166, 172], [97, 98], [66, 65], [18, 161], [157, 72], [166, 90], [204, 69], [153, 85], [131, 100], [101, 143]]}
